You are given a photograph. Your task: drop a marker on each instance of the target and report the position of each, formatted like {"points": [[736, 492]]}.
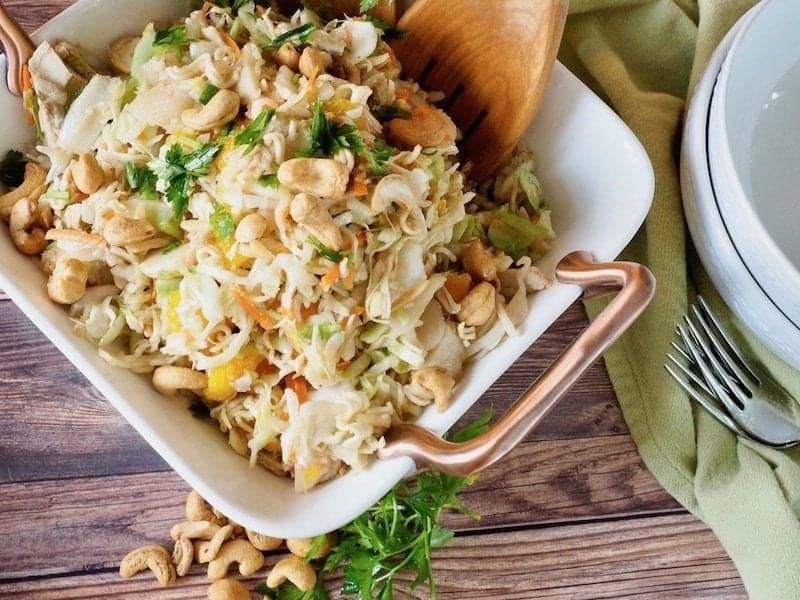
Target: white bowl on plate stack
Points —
{"points": [[740, 173]]}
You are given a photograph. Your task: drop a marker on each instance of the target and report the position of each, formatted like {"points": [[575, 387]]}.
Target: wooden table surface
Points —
{"points": [[572, 513]]}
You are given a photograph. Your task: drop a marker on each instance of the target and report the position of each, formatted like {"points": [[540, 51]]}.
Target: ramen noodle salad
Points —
{"points": [[261, 215]]}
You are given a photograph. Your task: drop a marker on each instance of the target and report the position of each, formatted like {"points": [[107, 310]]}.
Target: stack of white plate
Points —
{"points": [[740, 172]]}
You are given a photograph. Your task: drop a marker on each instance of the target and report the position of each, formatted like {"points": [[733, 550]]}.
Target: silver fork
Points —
{"points": [[713, 371]]}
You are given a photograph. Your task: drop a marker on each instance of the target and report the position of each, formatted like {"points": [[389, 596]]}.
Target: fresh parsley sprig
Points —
{"points": [[174, 38], [142, 179], [180, 172], [327, 138], [251, 135], [298, 36], [398, 534]]}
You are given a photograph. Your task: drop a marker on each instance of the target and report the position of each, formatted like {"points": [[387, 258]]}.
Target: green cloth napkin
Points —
{"points": [[642, 57]]}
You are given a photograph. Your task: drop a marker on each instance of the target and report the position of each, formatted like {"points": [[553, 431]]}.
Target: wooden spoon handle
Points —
{"points": [[635, 285], [18, 48]]}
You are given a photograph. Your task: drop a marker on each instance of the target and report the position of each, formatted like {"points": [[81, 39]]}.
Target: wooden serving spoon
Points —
{"points": [[491, 58]]}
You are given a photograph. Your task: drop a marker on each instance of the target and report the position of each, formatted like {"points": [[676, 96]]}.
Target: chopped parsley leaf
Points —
{"points": [[222, 222], [269, 181], [12, 169], [389, 32], [143, 180], [298, 36], [173, 38], [209, 91], [329, 253], [251, 135], [199, 410]]}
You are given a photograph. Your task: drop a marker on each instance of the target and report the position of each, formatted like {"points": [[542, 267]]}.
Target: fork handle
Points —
{"points": [[18, 49], [635, 285]]}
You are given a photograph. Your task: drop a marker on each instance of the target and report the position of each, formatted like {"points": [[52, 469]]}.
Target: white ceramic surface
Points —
{"points": [[754, 148], [711, 239], [594, 172]]}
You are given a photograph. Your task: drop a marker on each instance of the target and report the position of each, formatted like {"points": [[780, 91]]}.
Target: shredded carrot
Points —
{"points": [[359, 184], [361, 236], [403, 93], [266, 368], [206, 8], [263, 319], [231, 43], [306, 312], [358, 310], [299, 384], [27, 83], [332, 276]]}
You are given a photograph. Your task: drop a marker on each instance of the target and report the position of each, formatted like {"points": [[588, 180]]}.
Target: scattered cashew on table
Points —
{"points": [[208, 537]]}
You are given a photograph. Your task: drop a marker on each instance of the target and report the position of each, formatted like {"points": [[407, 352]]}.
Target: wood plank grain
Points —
{"points": [[31, 15], [96, 520], [654, 558], [56, 425]]}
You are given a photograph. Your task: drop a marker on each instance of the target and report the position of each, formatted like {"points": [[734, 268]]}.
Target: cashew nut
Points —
{"points": [[242, 552], [121, 231], [427, 126], [250, 228], [478, 306], [438, 382], [31, 188], [294, 569], [228, 589], [87, 174], [194, 530], [263, 542], [28, 224], [323, 177], [168, 380], [197, 509], [182, 555], [287, 56], [479, 261], [307, 210], [155, 558], [209, 550], [302, 546], [220, 110], [67, 282], [120, 53], [313, 62]]}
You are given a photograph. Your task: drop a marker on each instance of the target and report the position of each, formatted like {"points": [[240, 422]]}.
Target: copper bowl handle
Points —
{"points": [[18, 49], [635, 285]]}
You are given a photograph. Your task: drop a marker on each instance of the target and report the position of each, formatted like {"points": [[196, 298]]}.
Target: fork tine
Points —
{"points": [[690, 374], [708, 374], [682, 349], [738, 357], [706, 401], [721, 353], [740, 392]]}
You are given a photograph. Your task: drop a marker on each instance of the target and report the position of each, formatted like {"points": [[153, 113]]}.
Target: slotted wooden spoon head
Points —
{"points": [[492, 59]]}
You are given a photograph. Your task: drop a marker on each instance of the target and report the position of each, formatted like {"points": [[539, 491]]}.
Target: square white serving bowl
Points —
{"points": [[595, 174]]}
